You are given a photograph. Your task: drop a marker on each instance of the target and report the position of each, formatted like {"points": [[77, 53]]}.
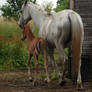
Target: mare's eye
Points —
{"points": [[20, 11]]}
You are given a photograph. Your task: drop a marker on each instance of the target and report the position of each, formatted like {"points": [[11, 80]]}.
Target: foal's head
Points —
{"points": [[25, 32]]}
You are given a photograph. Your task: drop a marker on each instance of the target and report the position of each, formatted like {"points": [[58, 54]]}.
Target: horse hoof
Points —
{"points": [[62, 83], [30, 79], [80, 88], [35, 83], [47, 80]]}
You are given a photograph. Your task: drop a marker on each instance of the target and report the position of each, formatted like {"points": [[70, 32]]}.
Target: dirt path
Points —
{"points": [[18, 82]]}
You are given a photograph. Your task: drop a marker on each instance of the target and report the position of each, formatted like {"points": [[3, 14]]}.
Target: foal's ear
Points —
{"points": [[25, 2]]}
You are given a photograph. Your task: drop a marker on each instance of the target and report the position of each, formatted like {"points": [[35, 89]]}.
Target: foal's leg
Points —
{"points": [[36, 69], [28, 65], [46, 66]]}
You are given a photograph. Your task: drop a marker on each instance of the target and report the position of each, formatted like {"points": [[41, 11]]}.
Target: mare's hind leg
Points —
{"points": [[64, 67], [36, 69], [79, 81], [28, 65]]}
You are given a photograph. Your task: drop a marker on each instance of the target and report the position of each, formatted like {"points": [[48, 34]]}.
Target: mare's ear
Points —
{"points": [[25, 2]]}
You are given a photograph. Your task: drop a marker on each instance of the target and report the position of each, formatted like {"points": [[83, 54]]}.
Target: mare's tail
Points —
{"points": [[77, 40]]}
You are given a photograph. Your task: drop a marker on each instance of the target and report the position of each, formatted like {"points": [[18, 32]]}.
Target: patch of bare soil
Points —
{"points": [[18, 82]]}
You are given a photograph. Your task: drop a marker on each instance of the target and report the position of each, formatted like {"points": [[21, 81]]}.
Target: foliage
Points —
{"points": [[8, 28], [53, 75], [47, 6], [12, 56], [11, 9], [61, 5]]}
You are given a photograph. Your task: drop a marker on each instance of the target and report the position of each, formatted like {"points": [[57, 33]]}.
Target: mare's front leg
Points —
{"points": [[53, 62], [36, 69], [28, 65], [65, 59]]}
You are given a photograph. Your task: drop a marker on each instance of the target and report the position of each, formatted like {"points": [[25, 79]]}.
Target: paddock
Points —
{"points": [[17, 81]]}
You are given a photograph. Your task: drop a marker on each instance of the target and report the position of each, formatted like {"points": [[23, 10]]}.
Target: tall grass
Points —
{"points": [[8, 28], [13, 52]]}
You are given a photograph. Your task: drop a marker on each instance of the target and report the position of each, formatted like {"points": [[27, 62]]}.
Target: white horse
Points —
{"points": [[59, 30]]}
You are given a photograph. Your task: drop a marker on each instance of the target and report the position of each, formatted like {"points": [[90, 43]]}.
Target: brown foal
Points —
{"points": [[35, 45]]}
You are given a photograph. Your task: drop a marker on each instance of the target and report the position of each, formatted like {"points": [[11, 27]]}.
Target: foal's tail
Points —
{"points": [[77, 40], [43, 45]]}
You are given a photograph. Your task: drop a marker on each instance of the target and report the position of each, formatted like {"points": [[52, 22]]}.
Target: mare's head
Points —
{"points": [[24, 16], [25, 31]]}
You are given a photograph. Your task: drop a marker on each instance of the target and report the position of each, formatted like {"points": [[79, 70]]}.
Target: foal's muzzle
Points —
{"points": [[23, 38], [20, 25]]}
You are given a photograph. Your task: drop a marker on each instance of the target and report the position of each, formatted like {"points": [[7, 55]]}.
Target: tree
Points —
{"points": [[47, 6], [11, 9], [61, 5]]}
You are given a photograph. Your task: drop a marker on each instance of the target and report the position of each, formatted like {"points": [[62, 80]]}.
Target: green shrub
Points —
{"points": [[13, 54]]}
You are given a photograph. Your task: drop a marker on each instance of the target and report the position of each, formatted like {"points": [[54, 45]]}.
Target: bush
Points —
{"points": [[13, 54]]}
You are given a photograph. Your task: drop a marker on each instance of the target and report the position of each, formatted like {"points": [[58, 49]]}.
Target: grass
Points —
{"points": [[8, 28]]}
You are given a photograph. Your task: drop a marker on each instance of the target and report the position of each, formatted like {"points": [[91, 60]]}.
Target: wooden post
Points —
{"points": [[71, 4]]}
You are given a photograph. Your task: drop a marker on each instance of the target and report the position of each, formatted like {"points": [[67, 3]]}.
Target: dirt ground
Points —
{"points": [[17, 81]]}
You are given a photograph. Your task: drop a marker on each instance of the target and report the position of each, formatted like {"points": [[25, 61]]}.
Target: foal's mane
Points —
{"points": [[28, 29]]}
